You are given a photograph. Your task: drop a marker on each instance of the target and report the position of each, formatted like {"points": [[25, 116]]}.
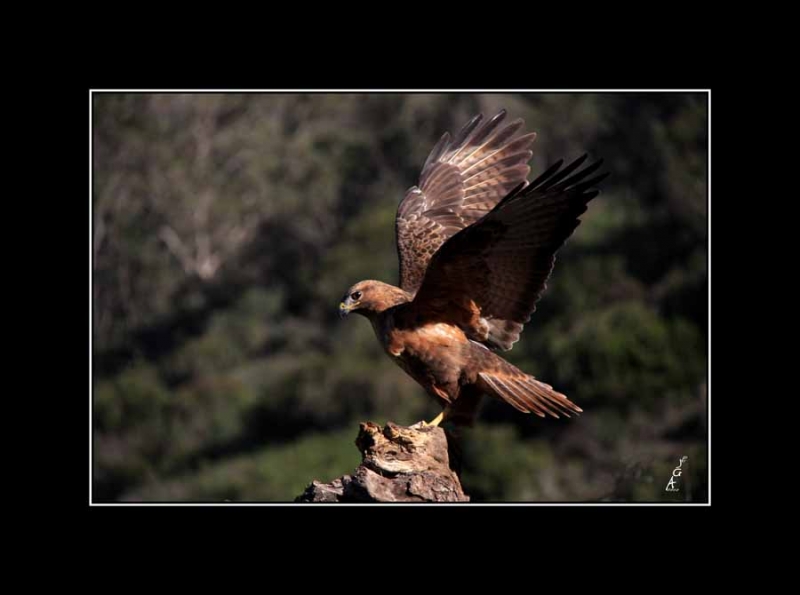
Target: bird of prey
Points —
{"points": [[476, 244]]}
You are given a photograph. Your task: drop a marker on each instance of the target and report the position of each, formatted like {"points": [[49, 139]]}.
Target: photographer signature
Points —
{"points": [[672, 485]]}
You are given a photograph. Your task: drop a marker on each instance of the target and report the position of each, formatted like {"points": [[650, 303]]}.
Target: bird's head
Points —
{"points": [[371, 297]]}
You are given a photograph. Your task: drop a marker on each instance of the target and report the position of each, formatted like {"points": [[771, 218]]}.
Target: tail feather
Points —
{"points": [[527, 394], [505, 391]]}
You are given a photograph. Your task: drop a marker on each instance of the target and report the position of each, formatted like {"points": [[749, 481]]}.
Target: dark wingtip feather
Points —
{"points": [[555, 179], [570, 183], [549, 172], [495, 120], [467, 130], [583, 186], [514, 192], [589, 195], [474, 121]]}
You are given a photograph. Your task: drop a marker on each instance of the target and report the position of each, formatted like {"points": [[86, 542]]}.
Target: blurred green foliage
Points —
{"points": [[227, 227]]}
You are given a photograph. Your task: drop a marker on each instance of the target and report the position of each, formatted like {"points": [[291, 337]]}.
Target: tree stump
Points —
{"points": [[399, 464]]}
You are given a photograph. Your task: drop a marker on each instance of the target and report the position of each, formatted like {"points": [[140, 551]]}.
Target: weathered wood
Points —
{"points": [[399, 464]]}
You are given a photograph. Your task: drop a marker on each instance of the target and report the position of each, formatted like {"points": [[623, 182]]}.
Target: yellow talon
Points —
{"points": [[437, 420]]}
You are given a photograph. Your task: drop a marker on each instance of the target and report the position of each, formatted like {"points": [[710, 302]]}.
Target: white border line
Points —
{"points": [[91, 301], [708, 280], [339, 504], [267, 91]]}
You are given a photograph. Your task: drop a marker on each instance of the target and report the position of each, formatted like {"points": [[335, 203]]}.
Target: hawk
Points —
{"points": [[476, 244]]}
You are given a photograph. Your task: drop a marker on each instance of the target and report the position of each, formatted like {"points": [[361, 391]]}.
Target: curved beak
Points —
{"points": [[344, 309]]}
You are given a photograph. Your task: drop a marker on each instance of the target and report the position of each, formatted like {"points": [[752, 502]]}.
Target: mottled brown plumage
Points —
{"points": [[476, 244], [461, 181]]}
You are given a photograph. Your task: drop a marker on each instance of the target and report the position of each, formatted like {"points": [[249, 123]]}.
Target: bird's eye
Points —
{"points": [[356, 295]]}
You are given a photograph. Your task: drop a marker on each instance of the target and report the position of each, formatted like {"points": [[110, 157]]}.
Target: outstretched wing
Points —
{"points": [[488, 277], [461, 181]]}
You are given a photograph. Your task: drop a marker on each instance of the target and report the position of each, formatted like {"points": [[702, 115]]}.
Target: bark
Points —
{"points": [[399, 464]]}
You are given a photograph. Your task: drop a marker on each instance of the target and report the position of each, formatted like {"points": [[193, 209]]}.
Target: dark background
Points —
{"points": [[227, 227]]}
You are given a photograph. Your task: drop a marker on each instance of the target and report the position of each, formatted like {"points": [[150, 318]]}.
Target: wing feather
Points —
{"points": [[500, 264], [462, 179]]}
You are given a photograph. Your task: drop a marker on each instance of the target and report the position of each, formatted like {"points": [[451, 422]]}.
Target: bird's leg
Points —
{"points": [[436, 420], [439, 418]]}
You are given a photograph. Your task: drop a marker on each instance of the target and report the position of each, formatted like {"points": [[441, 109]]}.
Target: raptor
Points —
{"points": [[477, 244]]}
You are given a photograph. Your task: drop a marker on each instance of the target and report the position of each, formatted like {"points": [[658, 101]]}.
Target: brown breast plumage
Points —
{"points": [[434, 354]]}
